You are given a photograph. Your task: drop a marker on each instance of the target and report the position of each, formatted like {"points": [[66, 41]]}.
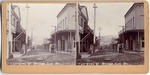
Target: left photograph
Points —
{"points": [[40, 34]]}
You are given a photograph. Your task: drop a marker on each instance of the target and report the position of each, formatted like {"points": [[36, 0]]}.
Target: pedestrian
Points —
{"points": [[91, 49], [52, 49], [120, 48], [33, 47]]}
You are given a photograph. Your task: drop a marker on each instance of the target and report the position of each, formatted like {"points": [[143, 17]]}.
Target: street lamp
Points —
{"points": [[94, 26], [27, 26]]}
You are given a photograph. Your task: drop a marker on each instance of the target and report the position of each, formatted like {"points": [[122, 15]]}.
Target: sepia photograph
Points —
{"points": [[75, 33], [115, 35]]}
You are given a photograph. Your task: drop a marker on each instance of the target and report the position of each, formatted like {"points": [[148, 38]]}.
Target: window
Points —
{"points": [[9, 45], [143, 44], [82, 22], [66, 22], [14, 21], [61, 25], [79, 20], [7, 15], [74, 38], [143, 38], [133, 23], [74, 44]]}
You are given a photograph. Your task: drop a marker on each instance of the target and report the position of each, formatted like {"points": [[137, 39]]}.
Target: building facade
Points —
{"points": [[64, 34], [15, 33], [132, 35]]}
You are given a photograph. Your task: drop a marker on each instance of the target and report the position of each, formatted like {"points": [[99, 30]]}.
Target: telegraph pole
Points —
{"points": [[55, 36], [123, 40], [77, 33], [27, 27], [32, 38], [94, 27], [99, 35]]}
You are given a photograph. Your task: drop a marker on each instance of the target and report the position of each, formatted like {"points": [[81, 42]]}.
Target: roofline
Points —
{"points": [[131, 31], [87, 13], [64, 8], [131, 8], [18, 8]]}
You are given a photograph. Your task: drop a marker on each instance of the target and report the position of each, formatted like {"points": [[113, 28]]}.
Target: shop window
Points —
{"points": [[74, 44], [9, 43], [74, 38], [7, 15], [142, 44], [142, 38]]}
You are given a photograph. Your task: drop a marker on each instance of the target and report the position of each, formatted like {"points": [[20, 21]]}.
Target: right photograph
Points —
{"points": [[110, 34]]}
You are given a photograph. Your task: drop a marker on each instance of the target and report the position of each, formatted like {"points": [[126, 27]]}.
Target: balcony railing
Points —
{"points": [[63, 29], [121, 31], [58, 29]]}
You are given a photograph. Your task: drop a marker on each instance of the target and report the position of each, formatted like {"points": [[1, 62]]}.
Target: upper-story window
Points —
{"points": [[66, 22], [82, 22], [7, 15], [14, 23], [133, 22], [13, 20], [63, 24], [142, 38]]}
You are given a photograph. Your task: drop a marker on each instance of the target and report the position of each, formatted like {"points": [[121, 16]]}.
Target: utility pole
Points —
{"points": [[94, 27], [99, 35], [77, 32], [32, 38], [55, 36], [123, 40], [27, 28]]}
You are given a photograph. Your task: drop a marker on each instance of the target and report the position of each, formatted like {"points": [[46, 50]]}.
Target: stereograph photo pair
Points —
{"points": [[75, 37]]}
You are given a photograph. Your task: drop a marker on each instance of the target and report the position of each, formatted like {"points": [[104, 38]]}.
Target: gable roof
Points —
{"points": [[16, 11], [82, 9], [132, 7], [64, 8]]}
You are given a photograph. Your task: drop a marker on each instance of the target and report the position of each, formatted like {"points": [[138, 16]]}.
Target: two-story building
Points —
{"points": [[15, 33], [132, 35], [64, 34]]}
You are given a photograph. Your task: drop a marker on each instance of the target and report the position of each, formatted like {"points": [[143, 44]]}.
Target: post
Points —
{"points": [[27, 27], [123, 36], [99, 35], [94, 27], [55, 37], [70, 42], [138, 41], [32, 38], [77, 33]]}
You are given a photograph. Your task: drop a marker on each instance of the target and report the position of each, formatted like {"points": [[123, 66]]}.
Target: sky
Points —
{"points": [[41, 17]]}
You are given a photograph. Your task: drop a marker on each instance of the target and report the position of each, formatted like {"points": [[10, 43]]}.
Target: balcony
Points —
{"points": [[81, 29]]}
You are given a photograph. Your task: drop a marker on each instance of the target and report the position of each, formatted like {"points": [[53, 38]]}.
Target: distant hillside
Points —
{"points": [[106, 40]]}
